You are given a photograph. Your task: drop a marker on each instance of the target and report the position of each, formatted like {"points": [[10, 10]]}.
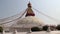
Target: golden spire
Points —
{"points": [[29, 10], [29, 5]]}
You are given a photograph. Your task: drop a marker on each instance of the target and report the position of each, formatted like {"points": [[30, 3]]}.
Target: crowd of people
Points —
{"points": [[46, 28]]}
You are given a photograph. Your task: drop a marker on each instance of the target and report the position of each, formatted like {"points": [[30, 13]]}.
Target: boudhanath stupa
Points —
{"points": [[26, 23]]}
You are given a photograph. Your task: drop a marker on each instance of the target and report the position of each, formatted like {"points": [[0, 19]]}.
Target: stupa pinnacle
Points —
{"points": [[29, 10]]}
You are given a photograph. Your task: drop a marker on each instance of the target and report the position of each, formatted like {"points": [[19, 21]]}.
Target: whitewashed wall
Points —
{"points": [[44, 32], [41, 32]]}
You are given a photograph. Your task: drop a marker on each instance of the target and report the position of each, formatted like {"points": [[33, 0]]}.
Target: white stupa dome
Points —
{"points": [[27, 22]]}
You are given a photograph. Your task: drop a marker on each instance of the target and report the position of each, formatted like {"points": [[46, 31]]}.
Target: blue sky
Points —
{"points": [[50, 7], [11, 7]]}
